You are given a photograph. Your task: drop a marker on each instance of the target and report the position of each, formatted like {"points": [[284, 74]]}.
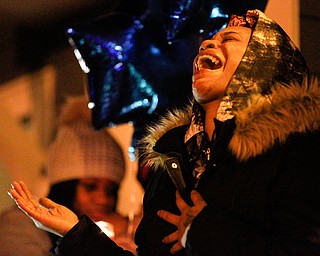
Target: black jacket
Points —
{"points": [[264, 201], [262, 182]]}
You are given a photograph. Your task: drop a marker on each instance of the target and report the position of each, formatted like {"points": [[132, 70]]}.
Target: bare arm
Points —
{"points": [[46, 214]]}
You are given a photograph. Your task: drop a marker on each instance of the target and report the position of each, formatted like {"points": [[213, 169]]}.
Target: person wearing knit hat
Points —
{"points": [[85, 168], [237, 172], [87, 158]]}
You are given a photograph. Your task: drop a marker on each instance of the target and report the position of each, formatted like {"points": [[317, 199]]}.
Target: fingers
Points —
{"points": [[199, 204], [169, 217], [176, 248], [171, 238], [47, 203], [25, 190], [197, 198], [13, 194], [23, 198], [26, 208], [25, 193], [17, 187], [20, 190], [17, 194], [188, 213]]}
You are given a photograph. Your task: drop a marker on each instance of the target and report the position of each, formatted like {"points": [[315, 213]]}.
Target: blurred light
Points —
{"points": [[118, 66], [106, 228], [91, 105], [81, 61], [154, 50], [118, 48], [154, 103], [216, 13], [132, 155]]}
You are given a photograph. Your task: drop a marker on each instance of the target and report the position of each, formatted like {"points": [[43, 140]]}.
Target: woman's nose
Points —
{"points": [[209, 44], [101, 197]]}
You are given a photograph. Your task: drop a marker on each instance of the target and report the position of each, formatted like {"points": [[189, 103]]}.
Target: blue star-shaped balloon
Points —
{"points": [[139, 67], [104, 49]]}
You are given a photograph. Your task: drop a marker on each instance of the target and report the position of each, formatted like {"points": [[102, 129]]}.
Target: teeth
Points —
{"points": [[208, 62]]}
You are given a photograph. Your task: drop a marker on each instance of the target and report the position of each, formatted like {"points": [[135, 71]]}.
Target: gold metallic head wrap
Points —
{"points": [[271, 57]]}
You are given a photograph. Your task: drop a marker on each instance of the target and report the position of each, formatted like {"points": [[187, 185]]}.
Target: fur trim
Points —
{"points": [[172, 119], [266, 121], [272, 119]]}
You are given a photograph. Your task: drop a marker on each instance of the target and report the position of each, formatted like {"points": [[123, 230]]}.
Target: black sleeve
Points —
{"points": [[86, 239], [295, 224], [160, 194]]}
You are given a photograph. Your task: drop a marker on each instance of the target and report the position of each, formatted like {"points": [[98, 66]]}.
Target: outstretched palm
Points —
{"points": [[46, 214]]}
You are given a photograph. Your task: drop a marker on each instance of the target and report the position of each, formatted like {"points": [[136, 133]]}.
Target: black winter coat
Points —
{"points": [[262, 186], [267, 205]]}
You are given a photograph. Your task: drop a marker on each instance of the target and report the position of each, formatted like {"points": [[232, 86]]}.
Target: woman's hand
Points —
{"points": [[46, 214], [188, 213]]}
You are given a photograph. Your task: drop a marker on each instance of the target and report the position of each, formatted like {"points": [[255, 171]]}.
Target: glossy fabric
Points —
{"points": [[271, 57]]}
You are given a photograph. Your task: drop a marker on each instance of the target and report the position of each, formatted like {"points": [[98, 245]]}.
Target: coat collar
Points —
{"points": [[265, 122]]}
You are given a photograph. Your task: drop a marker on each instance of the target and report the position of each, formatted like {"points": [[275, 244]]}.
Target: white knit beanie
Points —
{"points": [[80, 151]]}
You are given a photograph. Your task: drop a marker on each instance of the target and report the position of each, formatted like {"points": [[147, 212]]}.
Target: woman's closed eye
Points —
{"points": [[89, 186]]}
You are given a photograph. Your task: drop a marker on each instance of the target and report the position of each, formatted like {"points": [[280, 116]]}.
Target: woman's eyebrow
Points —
{"points": [[224, 34], [229, 32]]}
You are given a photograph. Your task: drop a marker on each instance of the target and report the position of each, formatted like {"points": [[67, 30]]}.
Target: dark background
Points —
{"points": [[32, 35]]}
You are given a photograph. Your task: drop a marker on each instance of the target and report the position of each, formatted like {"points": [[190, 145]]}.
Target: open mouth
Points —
{"points": [[208, 62]]}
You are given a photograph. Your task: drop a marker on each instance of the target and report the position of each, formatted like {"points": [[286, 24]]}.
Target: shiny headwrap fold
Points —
{"points": [[271, 57]]}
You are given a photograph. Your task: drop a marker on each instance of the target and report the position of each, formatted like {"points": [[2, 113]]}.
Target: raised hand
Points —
{"points": [[46, 214], [188, 213]]}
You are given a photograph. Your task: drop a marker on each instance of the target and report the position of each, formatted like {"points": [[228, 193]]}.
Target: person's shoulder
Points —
{"points": [[14, 217], [12, 212], [20, 236], [14, 221]]}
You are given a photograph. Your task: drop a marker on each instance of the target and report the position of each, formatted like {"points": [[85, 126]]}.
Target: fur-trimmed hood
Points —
{"points": [[288, 109], [270, 95]]}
